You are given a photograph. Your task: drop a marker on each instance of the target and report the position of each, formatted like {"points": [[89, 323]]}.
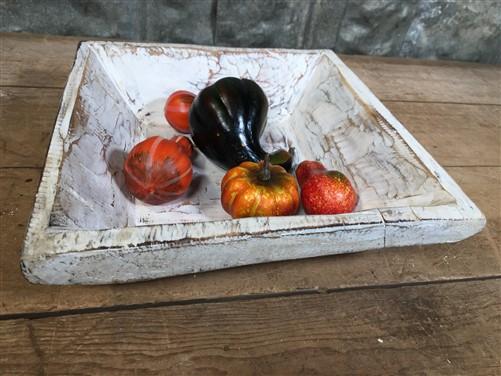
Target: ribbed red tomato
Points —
{"points": [[177, 110], [157, 170], [185, 144]]}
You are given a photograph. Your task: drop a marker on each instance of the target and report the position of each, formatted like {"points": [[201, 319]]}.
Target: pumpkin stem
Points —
{"points": [[265, 174]]}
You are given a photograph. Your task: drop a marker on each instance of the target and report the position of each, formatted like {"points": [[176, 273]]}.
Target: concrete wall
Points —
{"points": [[467, 30]]}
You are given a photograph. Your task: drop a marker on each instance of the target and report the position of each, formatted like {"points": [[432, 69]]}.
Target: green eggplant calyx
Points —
{"points": [[265, 174], [282, 158]]}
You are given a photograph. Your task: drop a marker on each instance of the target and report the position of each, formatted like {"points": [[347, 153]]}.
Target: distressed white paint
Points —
{"points": [[86, 228]]}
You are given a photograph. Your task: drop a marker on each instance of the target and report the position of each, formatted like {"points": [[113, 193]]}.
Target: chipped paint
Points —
{"points": [[86, 228]]}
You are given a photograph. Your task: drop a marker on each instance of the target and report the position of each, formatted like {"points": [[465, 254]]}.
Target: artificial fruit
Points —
{"points": [[157, 170], [259, 189], [227, 120], [328, 192]]}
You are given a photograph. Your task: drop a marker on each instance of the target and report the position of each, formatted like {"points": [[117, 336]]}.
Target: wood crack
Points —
{"points": [[38, 351], [248, 297]]}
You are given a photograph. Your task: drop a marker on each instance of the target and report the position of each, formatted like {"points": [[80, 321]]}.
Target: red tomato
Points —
{"points": [[157, 170], [185, 144], [177, 110]]}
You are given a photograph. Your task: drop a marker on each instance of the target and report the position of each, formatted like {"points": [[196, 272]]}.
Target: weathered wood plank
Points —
{"points": [[482, 184], [456, 135], [475, 257], [41, 60], [36, 60], [27, 117], [446, 329], [428, 81], [19, 352]]}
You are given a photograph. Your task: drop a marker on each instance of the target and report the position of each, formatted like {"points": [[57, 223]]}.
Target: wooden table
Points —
{"points": [[416, 310]]}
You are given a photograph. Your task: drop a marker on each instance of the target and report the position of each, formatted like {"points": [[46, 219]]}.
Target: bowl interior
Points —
{"points": [[313, 108]]}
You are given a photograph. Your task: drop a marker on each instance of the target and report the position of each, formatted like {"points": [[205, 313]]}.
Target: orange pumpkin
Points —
{"points": [[259, 190]]}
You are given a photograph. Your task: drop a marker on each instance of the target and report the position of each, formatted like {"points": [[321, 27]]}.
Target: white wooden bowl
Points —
{"points": [[86, 229]]}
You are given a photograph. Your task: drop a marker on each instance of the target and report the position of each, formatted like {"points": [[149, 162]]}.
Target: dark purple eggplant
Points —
{"points": [[227, 120]]}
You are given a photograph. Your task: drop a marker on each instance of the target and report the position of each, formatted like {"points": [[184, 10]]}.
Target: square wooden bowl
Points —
{"points": [[86, 228]]}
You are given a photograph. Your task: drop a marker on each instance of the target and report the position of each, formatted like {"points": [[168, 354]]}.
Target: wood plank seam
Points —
{"points": [[441, 102], [444, 165], [445, 330], [237, 298], [21, 167], [31, 87], [382, 99]]}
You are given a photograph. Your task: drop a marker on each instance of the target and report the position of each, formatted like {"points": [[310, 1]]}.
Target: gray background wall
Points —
{"points": [[467, 30]]}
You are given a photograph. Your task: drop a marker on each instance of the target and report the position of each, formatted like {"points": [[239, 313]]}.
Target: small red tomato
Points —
{"points": [[177, 110], [156, 170], [306, 169], [185, 144], [328, 193]]}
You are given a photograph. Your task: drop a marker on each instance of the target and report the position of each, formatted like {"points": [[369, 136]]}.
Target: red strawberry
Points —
{"points": [[306, 169], [328, 193]]}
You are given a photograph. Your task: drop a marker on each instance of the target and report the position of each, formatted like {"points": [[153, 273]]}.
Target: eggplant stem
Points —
{"points": [[265, 174]]}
